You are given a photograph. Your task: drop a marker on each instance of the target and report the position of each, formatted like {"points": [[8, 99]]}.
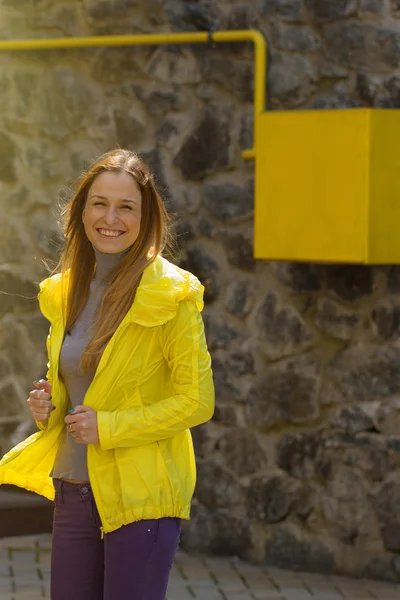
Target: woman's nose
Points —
{"points": [[111, 216]]}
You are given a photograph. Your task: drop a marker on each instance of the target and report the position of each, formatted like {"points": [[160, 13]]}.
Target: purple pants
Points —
{"points": [[131, 563]]}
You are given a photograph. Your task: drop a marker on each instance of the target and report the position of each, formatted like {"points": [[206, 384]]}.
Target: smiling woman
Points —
{"points": [[113, 211], [129, 375]]}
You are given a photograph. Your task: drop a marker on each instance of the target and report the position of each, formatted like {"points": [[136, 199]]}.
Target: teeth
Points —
{"points": [[108, 233]]}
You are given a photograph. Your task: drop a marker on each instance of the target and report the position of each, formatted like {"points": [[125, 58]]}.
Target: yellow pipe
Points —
{"points": [[164, 39]]}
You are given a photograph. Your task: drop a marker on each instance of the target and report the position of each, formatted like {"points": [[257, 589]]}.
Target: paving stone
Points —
{"points": [[21, 542], [5, 585], [389, 595], [27, 594], [178, 592], [238, 596], [260, 595], [204, 593], [193, 568], [297, 594], [221, 569], [267, 595], [233, 587], [192, 576], [326, 594]]}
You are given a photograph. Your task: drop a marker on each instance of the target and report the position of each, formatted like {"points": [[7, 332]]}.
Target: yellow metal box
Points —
{"points": [[328, 186]]}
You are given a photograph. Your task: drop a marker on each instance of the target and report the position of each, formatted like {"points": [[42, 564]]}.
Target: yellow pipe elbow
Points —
{"points": [[254, 36]]}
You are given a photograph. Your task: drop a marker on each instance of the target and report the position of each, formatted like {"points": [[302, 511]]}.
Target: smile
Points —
{"points": [[110, 233]]}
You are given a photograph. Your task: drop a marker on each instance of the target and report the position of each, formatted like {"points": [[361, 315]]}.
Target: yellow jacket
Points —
{"points": [[153, 383]]}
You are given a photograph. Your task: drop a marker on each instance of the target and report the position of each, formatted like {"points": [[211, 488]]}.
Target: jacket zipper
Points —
{"points": [[93, 482]]}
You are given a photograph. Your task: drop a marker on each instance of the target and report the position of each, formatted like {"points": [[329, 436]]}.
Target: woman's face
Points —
{"points": [[112, 212]]}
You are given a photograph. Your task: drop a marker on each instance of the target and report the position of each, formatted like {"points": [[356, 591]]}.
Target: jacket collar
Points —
{"points": [[162, 287]]}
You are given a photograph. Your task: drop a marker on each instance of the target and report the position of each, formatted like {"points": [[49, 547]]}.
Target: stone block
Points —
{"points": [[350, 282], [199, 262], [281, 329], [207, 148], [8, 155], [270, 498], [386, 318], [303, 455], [372, 7], [292, 80], [173, 65], [239, 298], [330, 10], [109, 9], [293, 549], [300, 277], [236, 76], [218, 332], [363, 372], [17, 294], [218, 532], [242, 452], [216, 487], [361, 45], [292, 38], [387, 418], [395, 8], [386, 501], [288, 10], [339, 96], [350, 522], [335, 320], [228, 202], [287, 392], [239, 250], [191, 16], [225, 388], [356, 418]]}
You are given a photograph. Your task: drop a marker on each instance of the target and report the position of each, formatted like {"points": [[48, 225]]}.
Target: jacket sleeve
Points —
{"points": [[43, 426], [192, 403]]}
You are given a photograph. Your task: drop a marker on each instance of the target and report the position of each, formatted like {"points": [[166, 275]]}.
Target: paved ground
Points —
{"points": [[25, 566]]}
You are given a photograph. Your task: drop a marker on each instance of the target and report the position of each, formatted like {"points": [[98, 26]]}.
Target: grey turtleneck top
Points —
{"points": [[71, 459]]}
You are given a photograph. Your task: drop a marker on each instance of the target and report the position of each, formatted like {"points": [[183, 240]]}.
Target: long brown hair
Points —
{"points": [[79, 259]]}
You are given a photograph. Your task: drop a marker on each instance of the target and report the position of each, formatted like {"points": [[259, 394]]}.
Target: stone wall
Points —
{"points": [[300, 466]]}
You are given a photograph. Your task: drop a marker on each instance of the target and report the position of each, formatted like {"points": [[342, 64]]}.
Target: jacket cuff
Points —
{"points": [[41, 426], [103, 428]]}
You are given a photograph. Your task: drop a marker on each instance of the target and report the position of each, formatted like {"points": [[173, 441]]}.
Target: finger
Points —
{"points": [[43, 384], [81, 409], [40, 395], [39, 403], [43, 396], [36, 414], [79, 428], [40, 416], [79, 440], [74, 418], [40, 409]]}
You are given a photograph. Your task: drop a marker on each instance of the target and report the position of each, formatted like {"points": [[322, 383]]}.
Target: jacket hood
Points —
{"points": [[162, 287]]}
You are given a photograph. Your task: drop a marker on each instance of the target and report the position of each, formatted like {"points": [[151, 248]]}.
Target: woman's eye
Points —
{"points": [[127, 206], [98, 204]]}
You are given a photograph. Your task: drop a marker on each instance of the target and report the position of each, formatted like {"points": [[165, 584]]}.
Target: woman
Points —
{"points": [[128, 375]]}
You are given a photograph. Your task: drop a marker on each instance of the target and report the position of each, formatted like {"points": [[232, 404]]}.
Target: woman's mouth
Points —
{"points": [[110, 233]]}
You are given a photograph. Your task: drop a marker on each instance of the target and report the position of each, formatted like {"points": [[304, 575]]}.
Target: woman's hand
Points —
{"points": [[39, 401], [82, 425]]}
